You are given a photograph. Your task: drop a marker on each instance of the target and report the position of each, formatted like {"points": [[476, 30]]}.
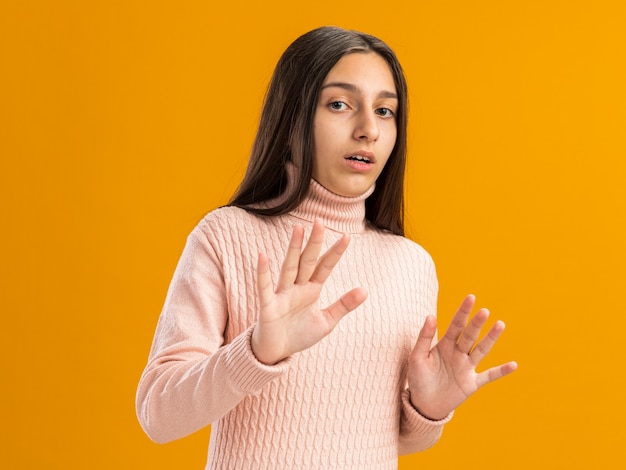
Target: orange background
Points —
{"points": [[123, 122]]}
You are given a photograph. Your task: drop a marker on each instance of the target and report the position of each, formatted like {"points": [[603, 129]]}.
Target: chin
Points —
{"points": [[351, 192], [347, 188]]}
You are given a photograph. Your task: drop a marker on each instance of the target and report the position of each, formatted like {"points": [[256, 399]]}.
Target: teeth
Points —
{"points": [[360, 158]]}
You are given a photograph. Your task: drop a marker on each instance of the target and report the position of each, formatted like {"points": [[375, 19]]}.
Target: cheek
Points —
{"points": [[323, 135], [320, 147], [390, 138]]}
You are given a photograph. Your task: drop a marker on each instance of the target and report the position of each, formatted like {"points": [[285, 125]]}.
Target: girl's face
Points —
{"points": [[354, 126]]}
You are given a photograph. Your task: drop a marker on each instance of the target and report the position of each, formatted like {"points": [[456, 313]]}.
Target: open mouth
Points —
{"points": [[359, 158]]}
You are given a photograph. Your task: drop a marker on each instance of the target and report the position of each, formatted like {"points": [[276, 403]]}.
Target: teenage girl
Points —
{"points": [[300, 322]]}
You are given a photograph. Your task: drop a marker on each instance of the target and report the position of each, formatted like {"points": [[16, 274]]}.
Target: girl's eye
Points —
{"points": [[337, 105], [384, 112]]}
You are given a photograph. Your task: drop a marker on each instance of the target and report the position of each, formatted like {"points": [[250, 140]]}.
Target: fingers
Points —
{"points": [[467, 343], [264, 280], [289, 269], [484, 346], [496, 373], [425, 338], [310, 255], [329, 260], [457, 325], [464, 333], [346, 303], [470, 334], [305, 265]]}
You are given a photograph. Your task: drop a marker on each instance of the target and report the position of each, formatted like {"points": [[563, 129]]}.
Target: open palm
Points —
{"points": [[443, 376], [290, 319]]}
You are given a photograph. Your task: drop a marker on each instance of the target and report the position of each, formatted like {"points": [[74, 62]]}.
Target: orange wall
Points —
{"points": [[123, 122]]}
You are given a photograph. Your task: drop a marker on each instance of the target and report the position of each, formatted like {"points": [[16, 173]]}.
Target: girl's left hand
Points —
{"points": [[443, 376]]}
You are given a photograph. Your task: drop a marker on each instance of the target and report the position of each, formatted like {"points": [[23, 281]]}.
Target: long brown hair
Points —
{"points": [[285, 130]]}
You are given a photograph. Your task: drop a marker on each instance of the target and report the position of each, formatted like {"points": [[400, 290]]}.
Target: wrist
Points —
{"points": [[260, 353], [430, 413]]}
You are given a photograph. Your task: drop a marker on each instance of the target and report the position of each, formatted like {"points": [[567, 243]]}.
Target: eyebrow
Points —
{"points": [[354, 89]]}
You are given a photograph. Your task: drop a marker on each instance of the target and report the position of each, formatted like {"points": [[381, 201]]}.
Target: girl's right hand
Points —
{"points": [[290, 319]]}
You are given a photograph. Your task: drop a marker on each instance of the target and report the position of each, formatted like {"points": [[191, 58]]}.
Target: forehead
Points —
{"points": [[367, 71]]}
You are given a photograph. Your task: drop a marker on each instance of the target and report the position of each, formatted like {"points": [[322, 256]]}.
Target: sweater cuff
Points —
{"points": [[414, 419], [247, 373]]}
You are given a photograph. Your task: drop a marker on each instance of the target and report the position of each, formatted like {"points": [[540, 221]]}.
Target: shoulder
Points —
{"points": [[234, 223], [417, 255], [404, 246], [216, 223], [417, 249], [222, 220], [227, 213]]}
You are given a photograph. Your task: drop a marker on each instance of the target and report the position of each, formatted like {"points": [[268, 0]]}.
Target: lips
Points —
{"points": [[362, 156]]}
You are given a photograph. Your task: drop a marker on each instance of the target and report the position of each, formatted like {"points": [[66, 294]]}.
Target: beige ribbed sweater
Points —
{"points": [[341, 404]]}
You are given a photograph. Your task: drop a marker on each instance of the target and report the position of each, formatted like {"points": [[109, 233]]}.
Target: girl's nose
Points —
{"points": [[367, 127]]}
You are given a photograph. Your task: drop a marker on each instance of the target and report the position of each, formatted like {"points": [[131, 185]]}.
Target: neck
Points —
{"points": [[338, 213]]}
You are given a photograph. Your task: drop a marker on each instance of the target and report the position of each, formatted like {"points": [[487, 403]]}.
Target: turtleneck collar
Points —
{"points": [[338, 213]]}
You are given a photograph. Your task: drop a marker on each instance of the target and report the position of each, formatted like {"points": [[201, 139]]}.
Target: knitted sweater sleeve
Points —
{"points": [[417, 433], [193, 377]]}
